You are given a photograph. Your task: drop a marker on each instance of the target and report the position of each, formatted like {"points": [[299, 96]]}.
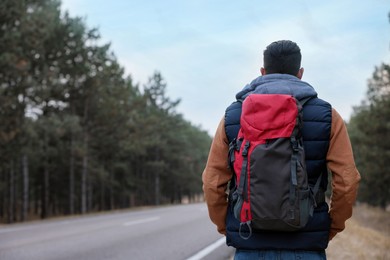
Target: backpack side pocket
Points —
{"points": [[305, 205], [237, 202]]}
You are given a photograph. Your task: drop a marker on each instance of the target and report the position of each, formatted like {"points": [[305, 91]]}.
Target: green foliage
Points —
{"points": [[369, 129], [93, 139]]}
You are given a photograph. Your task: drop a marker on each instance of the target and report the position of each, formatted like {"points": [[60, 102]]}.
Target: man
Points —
{"points": [[328, 150]]}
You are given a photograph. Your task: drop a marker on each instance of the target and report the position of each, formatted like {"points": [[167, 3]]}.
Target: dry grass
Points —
{"points": [[366, 236]]}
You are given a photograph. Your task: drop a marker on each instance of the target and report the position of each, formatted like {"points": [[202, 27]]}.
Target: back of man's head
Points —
{"points": [[282, 57]]}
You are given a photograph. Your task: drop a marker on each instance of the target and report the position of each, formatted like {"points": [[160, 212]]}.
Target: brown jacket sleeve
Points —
{"points": [[215, 178], [345, 176]]}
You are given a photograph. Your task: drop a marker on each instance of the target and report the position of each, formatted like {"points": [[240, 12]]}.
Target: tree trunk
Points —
{"points": [[111, 190], [2, 194], [11, 194], [71, 177], [89, 195], [157, 187], [102, 194], [84, 176], [157, 180], [25, 187], [84, 173], [46, 188], [45, 193]]}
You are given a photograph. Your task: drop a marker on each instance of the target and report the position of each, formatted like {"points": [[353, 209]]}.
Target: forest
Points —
{"points": [[369, 130], [77, 135]]}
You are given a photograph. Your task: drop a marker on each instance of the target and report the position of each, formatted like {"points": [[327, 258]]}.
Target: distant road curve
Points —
{"points": [[171, 232]]}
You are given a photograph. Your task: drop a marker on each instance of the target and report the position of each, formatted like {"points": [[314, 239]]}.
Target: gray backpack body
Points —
{"points": [[268, 160]]}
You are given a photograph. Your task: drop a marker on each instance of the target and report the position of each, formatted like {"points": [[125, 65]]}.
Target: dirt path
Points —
{"points": [[367, 236]]}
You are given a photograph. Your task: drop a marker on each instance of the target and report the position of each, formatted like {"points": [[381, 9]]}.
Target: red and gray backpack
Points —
{"points": [[271, 190]]}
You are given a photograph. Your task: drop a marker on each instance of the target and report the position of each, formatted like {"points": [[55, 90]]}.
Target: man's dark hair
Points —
{"points": [[282, 57]]}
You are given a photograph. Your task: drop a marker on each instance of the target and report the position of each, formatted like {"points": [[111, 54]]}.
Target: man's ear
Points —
{"points": [[262, 71], [300, 73]]}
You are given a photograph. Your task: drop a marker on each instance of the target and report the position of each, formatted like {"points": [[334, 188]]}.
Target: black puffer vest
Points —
{"points": [[317, 117]]}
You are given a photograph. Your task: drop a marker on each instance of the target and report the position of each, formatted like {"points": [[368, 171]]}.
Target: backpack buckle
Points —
{"points": [[294, 144], [231, 157], [246, 148]]}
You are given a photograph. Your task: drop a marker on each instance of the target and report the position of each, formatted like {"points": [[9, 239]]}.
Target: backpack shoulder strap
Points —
{"points": [[232, 120], [305, 100]]}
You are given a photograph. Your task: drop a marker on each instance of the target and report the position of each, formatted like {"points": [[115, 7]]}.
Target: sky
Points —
{"points": [[207, 50]]}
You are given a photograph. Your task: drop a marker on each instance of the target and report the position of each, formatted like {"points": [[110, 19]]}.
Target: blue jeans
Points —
{"points": [[279, 255]]}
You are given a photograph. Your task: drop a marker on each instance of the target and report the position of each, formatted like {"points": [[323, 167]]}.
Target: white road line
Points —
{"points": [[8, 230], [27, 227], [208, 249], [141, 221]]}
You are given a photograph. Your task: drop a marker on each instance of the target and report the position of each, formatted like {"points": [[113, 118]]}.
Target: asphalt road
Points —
{"points": [[174, 232]]}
